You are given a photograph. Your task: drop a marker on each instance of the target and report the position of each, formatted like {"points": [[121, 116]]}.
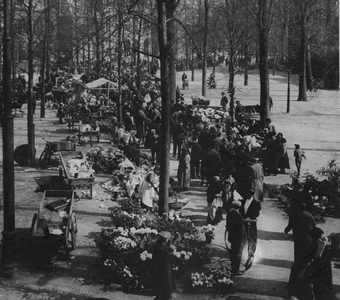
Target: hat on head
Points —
{"points": [[236, 204], [297, 145], [165, 234]]}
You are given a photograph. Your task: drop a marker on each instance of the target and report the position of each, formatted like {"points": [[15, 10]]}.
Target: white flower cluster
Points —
{"points": [[133, 230], [173, 216], [124, 243], [127, 272], [179, 254], [208, 229], [200, 279], [122, 231], [109, 263], [209, 114], [145, 255], [225, 280]]}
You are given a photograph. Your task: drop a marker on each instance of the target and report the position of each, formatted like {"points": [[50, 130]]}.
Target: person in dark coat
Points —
{"points": [[211, 165], [301, 223], [140, 124], [224, 101], [284, 159], [236, 234], [214, 188], [162, 267], [132, 153], [196, 156], [319, 269], [179, 135], [250, 210]]}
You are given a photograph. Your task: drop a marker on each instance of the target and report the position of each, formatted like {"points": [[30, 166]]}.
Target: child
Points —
{"points": [[298, 154]]}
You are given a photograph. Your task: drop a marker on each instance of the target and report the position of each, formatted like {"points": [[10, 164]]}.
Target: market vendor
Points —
{"points": [[147, 190]]}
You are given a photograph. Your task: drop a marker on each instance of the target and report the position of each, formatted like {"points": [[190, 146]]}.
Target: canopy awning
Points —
{"points": [[101, 83]]}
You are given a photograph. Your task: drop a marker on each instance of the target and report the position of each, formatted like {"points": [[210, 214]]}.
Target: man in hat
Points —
{"points": [[250, 210], [236, 233], [224, 101], [162, 266]]}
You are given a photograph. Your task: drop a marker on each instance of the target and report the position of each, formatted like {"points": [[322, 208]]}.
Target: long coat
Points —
{"points": [[235, 227], [183, 171], [257, 181], [162, 267], [211, 163]]}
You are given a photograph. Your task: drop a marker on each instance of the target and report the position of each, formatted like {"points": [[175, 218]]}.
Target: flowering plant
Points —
{"points": [[126, 249], [212, 278], [208, 230]]}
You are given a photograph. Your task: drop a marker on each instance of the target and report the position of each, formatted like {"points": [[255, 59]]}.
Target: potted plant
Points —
{"points": [[208, 230]]}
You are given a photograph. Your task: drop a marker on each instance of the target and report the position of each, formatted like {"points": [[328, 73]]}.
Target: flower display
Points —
{"points": [[212, 278], [125, 243], [208, 230], [145, 255]]}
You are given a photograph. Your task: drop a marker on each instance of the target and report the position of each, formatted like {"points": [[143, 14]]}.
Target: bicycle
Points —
{"points": [[211, 83], [51, 148]]}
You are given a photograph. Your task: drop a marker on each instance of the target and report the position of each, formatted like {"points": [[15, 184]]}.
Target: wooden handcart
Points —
{"points": [[56, 219], [74, 179]]}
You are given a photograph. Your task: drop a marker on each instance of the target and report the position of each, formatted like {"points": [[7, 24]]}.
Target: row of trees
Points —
{"points": [[93, 36]]}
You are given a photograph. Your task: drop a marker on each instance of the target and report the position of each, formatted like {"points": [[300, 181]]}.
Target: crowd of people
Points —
{"points": [[228, 156], [231, 159]]}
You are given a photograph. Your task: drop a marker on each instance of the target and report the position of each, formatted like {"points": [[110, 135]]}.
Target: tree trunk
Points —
{"points": [[192, 64], [8, 251], [309, 75], [231, 87], [246, 62], [30, 124], [119, 65], [165, 127], [171, 37], [48, 40], [263, 56], [302, 75], [43, 92], [138, 78], [205, 43]]}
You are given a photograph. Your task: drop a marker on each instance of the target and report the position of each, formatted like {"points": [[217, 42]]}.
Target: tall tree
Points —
{"points": [[9, 232], [264, 27], [31, 100], [165, 127], [205, 46]]}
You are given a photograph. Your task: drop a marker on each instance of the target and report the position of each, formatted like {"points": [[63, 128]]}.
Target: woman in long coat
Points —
{"points": [[284, 160], [162, 267], [183, 172]]}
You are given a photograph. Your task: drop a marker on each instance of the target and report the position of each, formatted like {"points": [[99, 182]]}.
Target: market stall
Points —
{"points": [[77, 170], [102, 85]]}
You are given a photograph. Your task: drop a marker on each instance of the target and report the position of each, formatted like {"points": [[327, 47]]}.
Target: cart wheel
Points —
{"points": [[34, 219], [74, 231], [44, 157]]}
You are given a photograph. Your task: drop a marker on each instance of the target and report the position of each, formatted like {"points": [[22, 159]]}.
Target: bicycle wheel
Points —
{"points": [[44, 157]]}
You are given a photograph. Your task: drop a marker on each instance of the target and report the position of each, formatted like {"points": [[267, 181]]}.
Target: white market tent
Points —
{"points": [[102, 84]]}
